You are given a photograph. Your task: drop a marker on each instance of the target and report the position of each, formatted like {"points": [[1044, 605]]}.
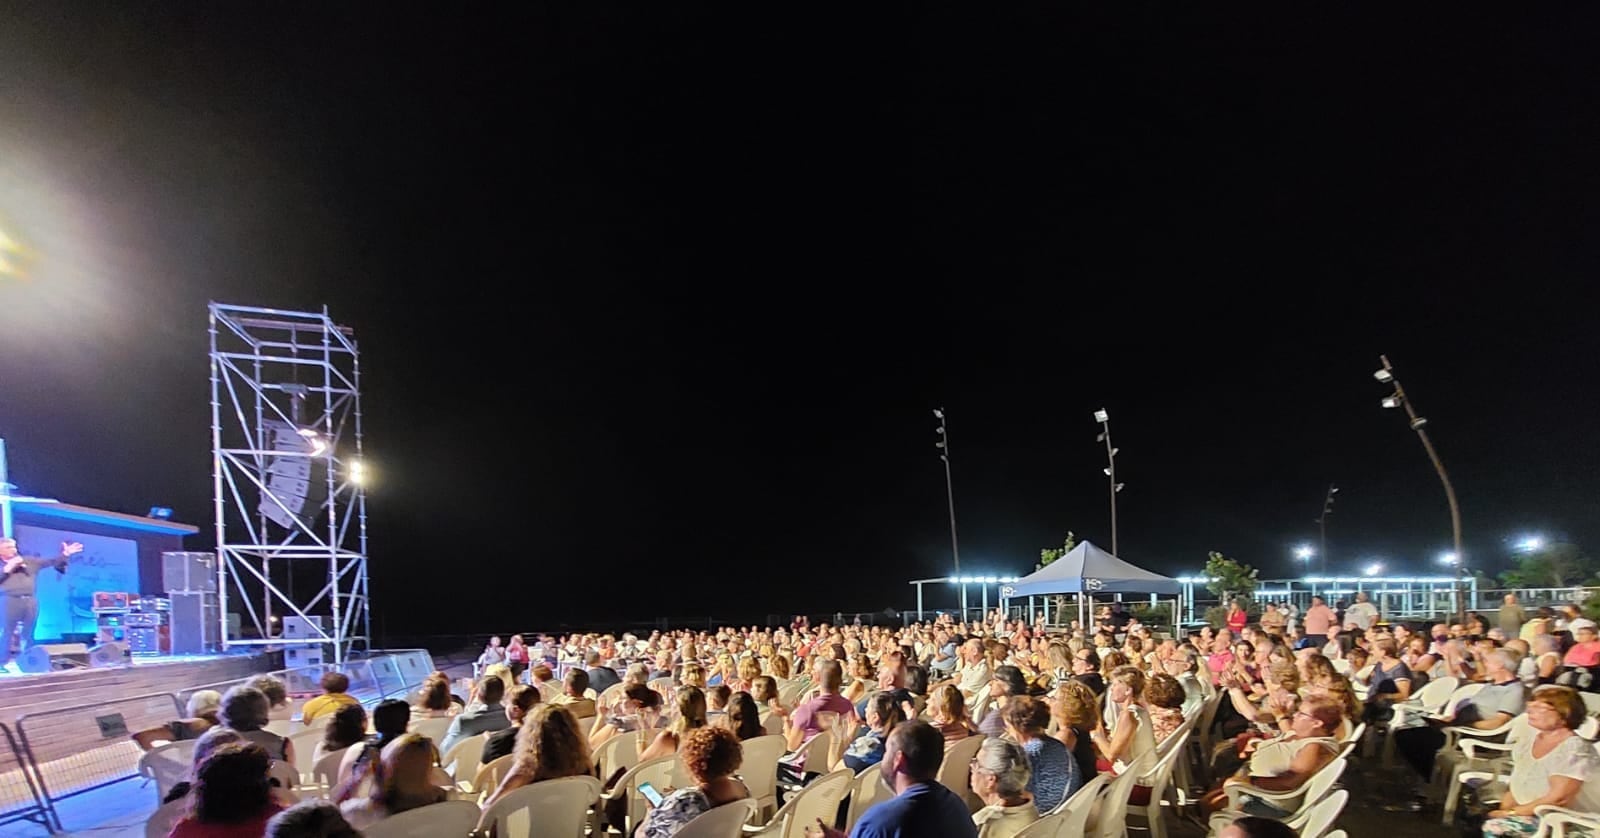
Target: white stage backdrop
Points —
{"points": [[65, 602]]}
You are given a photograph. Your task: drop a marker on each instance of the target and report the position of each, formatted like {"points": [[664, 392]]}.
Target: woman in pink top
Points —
{"points": [[1586, 652], [1237, 618]]}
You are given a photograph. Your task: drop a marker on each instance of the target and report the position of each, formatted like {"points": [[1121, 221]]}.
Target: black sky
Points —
{"points": [[654, 304]]}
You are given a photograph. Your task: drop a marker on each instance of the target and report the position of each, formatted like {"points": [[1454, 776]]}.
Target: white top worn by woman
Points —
{"points": [[997, 821], [1575, 757]]}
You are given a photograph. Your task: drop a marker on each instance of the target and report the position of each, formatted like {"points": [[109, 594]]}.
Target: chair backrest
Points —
{"points": [[816, 753], [1112, 819], [867, 789], [1460, 694], [162, 820], [490, 774], [168, 765], [760, 766], [1161, 774], [284, 773], [305, 749], [662, 685], [620, 751], [1075, 810], [1436, 692], [1341, 666], [725, 821], [1322, 815], [434, 729], [1337, 833], [449, 818], [773, 724], [325, 772], [464, 757], [1208, 716], [820, 800], [1321, 782], [562, 808], [954, 772], [657, 772]]}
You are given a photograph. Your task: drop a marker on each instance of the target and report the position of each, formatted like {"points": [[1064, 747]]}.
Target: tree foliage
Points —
{"points": [[1050, 554], [1554, 566], [1229, 579]]}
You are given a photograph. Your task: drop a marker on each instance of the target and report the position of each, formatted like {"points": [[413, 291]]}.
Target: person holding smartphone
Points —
{"points": [[710, 755]]}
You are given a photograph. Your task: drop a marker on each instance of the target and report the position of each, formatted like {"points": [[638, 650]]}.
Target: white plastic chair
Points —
{"points": [[1111, 817], [1321, 817], [450, 818], [1317, 788], [760, 770], [168, 765], [488, 778], [1337, 833], [656, 772], [725, 821], [163, 819], [820, 800], [324, 774], [284, 773], [562, 808], [305, 749], [1075, 810], [866, 790], [464, 757], [611, 695], [1554, 821], [1159, 779], [773, 723], [434, 729], [1289, 800], [955, 773], [1430, 699], [621, 750], [1479, 754], [1048, 826]]}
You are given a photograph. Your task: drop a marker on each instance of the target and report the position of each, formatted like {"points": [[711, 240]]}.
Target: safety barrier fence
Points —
{"points": [[56, 754]]}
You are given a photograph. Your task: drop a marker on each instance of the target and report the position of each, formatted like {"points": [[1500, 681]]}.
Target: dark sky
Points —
{"points": [[654, 305]]}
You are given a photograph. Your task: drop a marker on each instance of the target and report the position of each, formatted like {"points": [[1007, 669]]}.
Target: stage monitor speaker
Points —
{"points": [[193, 623], [52, 657], [115, 653]]}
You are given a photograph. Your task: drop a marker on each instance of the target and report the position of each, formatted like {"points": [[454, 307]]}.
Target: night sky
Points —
{"points": [[654, 305]]}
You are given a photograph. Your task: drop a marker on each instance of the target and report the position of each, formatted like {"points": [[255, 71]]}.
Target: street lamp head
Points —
{"points": [[1531, 544], [1101, 416], [1373, 569], [1304, 552], [1449, 558], [1391, 401], [1383, 376], [938, 412]]}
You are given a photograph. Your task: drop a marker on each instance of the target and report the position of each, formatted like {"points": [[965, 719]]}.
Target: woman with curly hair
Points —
{"points": [[232, 794], [347, 727], [710, 755], [550, 747], [1076, 711]]}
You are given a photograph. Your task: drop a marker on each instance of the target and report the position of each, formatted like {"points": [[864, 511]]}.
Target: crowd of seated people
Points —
{"points": [[1054, 709]]}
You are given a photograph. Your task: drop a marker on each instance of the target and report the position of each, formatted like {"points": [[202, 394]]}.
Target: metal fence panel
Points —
{"points": [[19, 793], [76, 749]]}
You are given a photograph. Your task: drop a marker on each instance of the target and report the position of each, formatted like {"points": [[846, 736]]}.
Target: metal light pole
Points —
{"points": [[1322, 523], [1419, 424], [5, 497], [1111, 470], [949, 491]]}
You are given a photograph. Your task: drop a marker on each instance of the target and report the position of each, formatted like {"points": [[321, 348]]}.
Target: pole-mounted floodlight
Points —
{"points": [[1449, 558], [1531, 544], [943, 444], [1386, 375], [1373, 569], [1304, 552], [1104, 418]]}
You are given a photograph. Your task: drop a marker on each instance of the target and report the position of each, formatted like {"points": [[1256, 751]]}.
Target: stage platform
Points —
{"points": [[75, 723]]}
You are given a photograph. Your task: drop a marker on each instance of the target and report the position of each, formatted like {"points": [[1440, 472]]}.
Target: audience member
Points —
{"points": [[484, 714]]}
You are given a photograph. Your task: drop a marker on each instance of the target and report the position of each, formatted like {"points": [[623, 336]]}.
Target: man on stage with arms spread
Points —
{"points": [[18, 577]]}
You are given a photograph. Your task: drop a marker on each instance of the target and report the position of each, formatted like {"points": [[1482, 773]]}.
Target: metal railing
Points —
{"points": [[20, 799], [57, 754]]}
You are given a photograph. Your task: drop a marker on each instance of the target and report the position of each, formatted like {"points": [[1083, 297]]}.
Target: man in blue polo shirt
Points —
{"points": [[921, 807]]}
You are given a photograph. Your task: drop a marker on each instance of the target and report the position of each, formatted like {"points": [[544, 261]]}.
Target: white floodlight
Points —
{"points": [[1391, 401], [358, 472], [1304, 552], [1373, 569], [1101, 416], [1107, 470], [1383, 376], [1448, 558], [1531, 544], [938, 412]]}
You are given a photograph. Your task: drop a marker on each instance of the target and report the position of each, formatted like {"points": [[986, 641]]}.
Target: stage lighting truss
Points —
{"points": [[288, 479]]}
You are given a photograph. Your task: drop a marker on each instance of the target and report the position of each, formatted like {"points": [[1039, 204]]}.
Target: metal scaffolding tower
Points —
{"points": [[287, 474]]}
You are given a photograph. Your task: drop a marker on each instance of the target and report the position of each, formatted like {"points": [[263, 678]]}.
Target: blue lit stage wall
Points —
{"points": [[65, 600], [120, 553]]}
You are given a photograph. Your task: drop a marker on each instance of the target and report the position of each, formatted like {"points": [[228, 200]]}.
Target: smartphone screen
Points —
{"points": [[650, 794]]}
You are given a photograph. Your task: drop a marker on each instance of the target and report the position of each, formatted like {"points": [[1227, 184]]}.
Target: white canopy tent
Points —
{"points": [[1087, 570]]}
